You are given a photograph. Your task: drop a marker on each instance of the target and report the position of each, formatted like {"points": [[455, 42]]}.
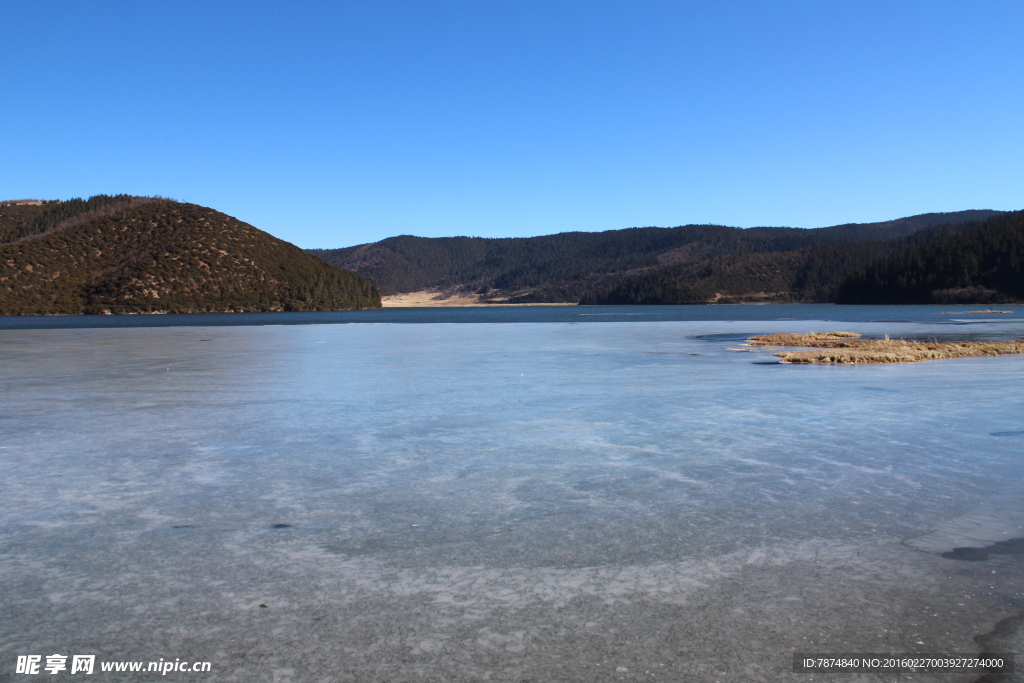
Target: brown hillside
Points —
{"points": [[165, 256]]}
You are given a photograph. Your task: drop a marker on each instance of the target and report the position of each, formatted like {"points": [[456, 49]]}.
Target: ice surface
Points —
{"points": [[504, 501]]}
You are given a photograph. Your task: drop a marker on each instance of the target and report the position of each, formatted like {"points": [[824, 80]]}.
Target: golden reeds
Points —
{"points": [[847, 347]]}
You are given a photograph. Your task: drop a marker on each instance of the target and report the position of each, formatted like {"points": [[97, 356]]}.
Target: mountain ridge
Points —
{"points": [[570, 267]]}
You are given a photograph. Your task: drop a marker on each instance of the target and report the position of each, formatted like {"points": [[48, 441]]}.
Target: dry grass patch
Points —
{"points": [[790, 339], [847, 347], [966, 312]]}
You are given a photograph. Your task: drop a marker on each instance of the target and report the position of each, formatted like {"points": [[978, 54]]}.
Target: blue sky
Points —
{"points": [[336, 123]]}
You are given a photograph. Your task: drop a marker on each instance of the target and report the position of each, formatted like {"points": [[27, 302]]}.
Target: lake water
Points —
{"points": [[518, 497], [535, 314]]}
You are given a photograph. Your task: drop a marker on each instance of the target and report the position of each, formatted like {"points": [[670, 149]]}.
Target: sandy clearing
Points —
{"points": [[428, 298]]}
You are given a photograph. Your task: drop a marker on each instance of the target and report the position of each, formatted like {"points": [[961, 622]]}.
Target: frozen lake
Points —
{"points": [[500, 501]]}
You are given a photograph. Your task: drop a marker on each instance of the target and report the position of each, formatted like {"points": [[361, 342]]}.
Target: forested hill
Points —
{"points": [[686, 264], [144, 255], [982, 265]]}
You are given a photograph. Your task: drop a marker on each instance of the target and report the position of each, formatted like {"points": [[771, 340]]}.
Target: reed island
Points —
{"points": [[849, 348]]}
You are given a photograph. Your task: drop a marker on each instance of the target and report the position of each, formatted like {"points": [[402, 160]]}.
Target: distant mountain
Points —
{"points": [[811, 274], [144, 255], [982, 265], [686, 264]]}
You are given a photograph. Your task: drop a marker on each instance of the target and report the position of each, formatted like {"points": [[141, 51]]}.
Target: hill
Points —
{"points": [[685, 264], [982, 265], [146, 255], [811, 274]]}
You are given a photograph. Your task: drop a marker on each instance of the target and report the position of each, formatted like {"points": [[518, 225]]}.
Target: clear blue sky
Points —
{"points": [[335, 123]]}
